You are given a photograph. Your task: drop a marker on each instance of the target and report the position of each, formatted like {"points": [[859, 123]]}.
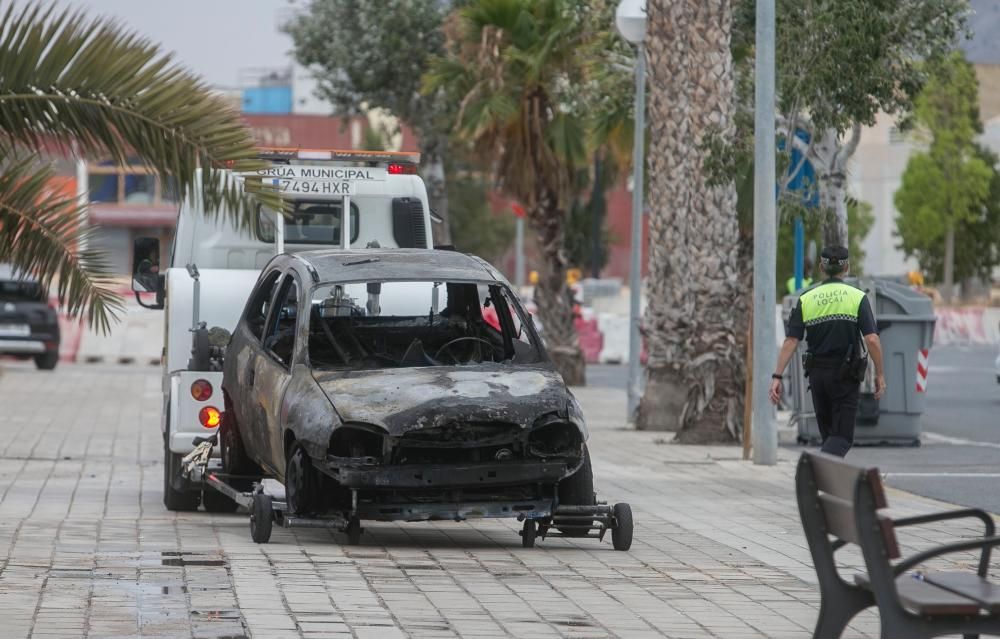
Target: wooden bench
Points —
{"points": [[840, 504]]}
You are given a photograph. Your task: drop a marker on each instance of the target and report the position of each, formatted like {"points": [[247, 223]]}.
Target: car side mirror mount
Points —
{"points": [[146, 277]]}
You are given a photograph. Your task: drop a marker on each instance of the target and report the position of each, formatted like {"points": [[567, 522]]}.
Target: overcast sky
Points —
{"points": [[215, 38]]}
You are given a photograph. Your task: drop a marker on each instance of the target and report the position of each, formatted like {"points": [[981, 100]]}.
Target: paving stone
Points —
{"points": [[87, 549]]}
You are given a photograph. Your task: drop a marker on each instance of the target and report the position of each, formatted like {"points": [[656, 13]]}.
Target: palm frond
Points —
{"points": [[40, 234], [92, 84]]}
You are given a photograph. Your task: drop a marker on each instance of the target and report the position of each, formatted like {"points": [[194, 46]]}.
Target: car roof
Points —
{"points": [[335, 265]]}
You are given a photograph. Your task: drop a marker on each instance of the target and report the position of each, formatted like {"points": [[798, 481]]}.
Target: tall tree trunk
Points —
{"points": [[552, 295], [695, 322], [948, 289], [433, 150], [830, 158]]}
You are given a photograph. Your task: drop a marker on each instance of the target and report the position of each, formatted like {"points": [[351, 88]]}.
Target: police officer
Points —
{"points": [[833, 317]]}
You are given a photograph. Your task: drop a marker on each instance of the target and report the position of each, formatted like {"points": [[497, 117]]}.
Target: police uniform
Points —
{"points": [[831, 317]]}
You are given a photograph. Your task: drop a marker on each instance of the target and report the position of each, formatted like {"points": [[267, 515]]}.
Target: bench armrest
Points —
{"points": [[961, 546], [963, 513]]}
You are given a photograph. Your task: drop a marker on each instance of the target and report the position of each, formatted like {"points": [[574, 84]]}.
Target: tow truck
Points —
{"points": [[337, 199]]}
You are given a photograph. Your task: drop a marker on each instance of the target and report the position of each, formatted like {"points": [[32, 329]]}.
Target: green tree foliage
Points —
{"points": [[839, 64], [90, 87], [859, 222], [478, 230], [519, 73], [945, 194], [373, 54]]}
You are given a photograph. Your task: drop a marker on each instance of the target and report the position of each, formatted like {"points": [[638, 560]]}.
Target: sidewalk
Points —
{"points": [[87, 549], [732, 526]]}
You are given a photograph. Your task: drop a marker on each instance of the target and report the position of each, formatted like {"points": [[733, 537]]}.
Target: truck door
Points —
{"points": [[273, 371]]}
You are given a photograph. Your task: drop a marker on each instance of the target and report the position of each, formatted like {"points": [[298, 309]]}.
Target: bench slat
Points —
{"points": [[969, 585], [840, 523], [839, 478], [924, 598]]}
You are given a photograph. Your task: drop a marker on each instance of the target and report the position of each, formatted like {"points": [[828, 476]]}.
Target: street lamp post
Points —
{"points": [[764, 432], [630, 18]]}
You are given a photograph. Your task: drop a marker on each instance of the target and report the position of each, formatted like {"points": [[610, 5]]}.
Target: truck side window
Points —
{"points": [[280, 338], [257, 307]]}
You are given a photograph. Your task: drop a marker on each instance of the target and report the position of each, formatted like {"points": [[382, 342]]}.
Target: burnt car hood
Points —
{"points": [[404, 399]]}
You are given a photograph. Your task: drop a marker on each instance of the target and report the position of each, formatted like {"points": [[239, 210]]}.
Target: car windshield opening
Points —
{"points": [[373, 325]]}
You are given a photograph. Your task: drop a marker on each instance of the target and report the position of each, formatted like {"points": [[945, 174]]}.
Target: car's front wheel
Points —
{"points": [[302, 483], [578, 490]]}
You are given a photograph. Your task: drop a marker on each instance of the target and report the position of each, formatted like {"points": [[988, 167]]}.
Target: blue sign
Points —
{"points": [[803, 175]]}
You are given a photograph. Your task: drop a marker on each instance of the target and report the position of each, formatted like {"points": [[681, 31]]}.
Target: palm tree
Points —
{"points": [[87, 87], [695, 322], [513, 66]]}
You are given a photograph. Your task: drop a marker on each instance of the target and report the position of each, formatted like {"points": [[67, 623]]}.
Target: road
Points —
{"points": [[959, 460]]}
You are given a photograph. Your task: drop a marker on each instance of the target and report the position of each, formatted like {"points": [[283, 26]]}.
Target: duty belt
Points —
{"points": [[826, 361]]}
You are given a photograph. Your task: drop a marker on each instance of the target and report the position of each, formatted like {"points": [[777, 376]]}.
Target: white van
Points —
{"points": [[212, 268]]}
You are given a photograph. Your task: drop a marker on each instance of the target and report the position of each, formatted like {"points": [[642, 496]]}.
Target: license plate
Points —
{"points": [[316, 187], [14, 330]]}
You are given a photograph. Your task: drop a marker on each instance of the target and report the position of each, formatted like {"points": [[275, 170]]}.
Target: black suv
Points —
{"points": [[29, 327]]}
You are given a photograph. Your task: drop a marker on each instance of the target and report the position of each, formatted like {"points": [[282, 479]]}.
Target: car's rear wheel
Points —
{"points": [[578, 490], [47, 361], [235, 459], [174, 499], [302, 483]]}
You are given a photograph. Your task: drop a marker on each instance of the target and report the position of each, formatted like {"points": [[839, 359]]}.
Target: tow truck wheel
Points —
{"points": [[173, 499], [261, 518], [353, 531], [47, 361], [578, 490], [301, 483], [528, 533], [621, 534]]}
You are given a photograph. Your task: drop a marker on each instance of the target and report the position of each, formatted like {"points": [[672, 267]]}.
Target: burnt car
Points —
{"points": [[29, 326], [394, 384]]}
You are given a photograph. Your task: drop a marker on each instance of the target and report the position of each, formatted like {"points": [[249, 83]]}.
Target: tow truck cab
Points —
{"points": [[213, 266]]}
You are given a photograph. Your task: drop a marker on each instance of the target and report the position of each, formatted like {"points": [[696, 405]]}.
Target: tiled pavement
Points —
{"points": [[87, 549]]}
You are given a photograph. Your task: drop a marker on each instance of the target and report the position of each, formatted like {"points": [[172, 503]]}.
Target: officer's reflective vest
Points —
{"points": [[806, 283], [831, 302]]}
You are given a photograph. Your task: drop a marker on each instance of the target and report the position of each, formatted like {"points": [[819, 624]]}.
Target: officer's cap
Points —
{"points": [[834, 254]]}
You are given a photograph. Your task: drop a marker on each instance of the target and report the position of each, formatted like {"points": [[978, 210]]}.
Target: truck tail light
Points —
{"points": [[210, 417], [402, 169], [201, 390]]}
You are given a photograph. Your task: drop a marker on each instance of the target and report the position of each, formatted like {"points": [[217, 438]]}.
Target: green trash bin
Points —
{"points": [[906, 320]]}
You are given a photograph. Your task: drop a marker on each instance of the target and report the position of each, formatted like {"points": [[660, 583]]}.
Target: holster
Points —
{"points": [[855, 365]]}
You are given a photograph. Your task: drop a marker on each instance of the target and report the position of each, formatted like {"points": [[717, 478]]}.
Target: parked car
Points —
{"points": [[29, 326], [399, 385]]}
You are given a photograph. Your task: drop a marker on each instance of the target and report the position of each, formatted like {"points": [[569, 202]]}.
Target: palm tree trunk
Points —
{"points": [[552, 295], [695, 323]]}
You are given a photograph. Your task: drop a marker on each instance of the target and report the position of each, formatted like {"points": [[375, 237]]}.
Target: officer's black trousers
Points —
{"points": [[836, 404]]}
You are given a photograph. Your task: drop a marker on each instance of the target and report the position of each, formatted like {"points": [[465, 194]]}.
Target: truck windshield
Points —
{"points": [[372, 325], [20, 291], [311, 222]]}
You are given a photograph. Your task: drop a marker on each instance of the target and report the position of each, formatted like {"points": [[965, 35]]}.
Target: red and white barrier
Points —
{"points": [[922, 368], [962, 326]]}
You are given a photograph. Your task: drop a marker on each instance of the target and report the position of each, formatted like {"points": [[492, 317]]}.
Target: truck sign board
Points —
{"points": [[319, 180]]}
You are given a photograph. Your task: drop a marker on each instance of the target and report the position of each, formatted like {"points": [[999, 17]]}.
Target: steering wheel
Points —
{"points": [[462, 339]]}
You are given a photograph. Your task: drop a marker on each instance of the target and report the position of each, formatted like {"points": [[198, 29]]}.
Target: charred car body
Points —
{"points": [[399, 385]]}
